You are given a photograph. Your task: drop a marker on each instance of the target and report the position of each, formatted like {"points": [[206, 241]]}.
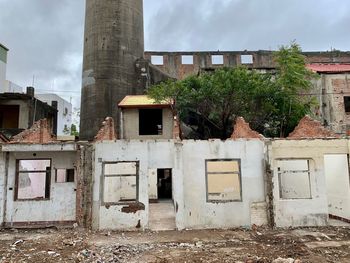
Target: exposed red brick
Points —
{"points": [[40, 132], [309, 128], [242, 130], [107, 131], [3, 138]]}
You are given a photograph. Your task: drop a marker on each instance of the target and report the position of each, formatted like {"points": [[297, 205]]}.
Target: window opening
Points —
{"points": [[150, 122], [294, 179], [65, 175], [223, 180], [33, 179], [120, 182], [217, 59], [347, 104], [157, 60], [247, 59], [187, 60]]}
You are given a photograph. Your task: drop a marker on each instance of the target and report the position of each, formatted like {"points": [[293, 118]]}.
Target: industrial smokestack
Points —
{"points": [[114, 40]]}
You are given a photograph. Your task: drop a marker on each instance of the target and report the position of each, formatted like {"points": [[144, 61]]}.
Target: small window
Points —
{"points": [[150, 122], [217, 59], [120, 182], [247, 59], [294, 179], [187, 60], [347, 104], [65, 175], [33, 179], [157, 60], [223, 180]]}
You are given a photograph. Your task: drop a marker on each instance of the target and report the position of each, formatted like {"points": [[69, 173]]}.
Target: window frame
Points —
{"points": [[48, 176], [280, 172], [120, 175], [239, 176]]}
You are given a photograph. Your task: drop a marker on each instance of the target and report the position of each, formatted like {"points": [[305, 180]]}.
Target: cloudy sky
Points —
{"points": [[45, 37]]}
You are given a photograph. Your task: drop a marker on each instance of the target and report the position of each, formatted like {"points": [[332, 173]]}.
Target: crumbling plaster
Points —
{"points": [[60, 207], [304, 212], [187, 161]]}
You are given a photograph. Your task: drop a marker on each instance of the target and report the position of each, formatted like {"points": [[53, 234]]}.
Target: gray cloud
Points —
{"points": [[45, 37]]}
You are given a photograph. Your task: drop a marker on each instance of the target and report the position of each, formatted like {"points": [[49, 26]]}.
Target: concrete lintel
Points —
{"points": [[57, 147]]}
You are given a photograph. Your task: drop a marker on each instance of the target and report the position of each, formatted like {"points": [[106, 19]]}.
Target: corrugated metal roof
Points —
{"points": [[138, 101], [329, 68]]}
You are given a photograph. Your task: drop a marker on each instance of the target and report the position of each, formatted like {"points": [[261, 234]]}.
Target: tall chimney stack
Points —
{"points": [[114, 40]]}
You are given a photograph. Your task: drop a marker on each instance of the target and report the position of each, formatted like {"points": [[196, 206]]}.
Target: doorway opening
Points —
{"points": [[164, 185], [162, 212]]}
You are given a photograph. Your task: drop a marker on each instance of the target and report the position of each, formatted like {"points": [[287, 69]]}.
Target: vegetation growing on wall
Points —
{"points": [[271, 102]]}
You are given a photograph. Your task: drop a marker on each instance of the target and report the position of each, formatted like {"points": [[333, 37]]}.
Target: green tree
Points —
{"points": [[73, 130], [210, 102]]}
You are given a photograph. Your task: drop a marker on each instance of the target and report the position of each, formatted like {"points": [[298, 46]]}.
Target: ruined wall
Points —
{"points": [[196, 211], [2, 186], [151, 155], [59, 208], [131, 125], [304, 211], [187, 161], [331, 90], [338, 184], [174, 65]]}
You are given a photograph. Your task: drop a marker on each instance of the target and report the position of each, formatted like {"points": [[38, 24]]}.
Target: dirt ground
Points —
{"points": [[331, 244]]}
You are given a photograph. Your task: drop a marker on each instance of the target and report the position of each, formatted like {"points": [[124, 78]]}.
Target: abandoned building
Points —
{"points": [[135, 172], [19, 111], [143, 118], [137, 184]]}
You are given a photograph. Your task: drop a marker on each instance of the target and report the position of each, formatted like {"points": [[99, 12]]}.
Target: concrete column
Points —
{"points": [[114, 40]]}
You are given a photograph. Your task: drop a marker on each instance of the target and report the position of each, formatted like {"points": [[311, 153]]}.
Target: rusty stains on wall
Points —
{"points": [[133, 208]]}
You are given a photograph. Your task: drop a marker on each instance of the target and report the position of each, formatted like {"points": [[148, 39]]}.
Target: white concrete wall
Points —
{"points": [[338, 184], [151, 155], [13, 87], [2, 186], [303, 212], [196, 211], [2, 76], [187, 161], [64, 115], [62, 203]]}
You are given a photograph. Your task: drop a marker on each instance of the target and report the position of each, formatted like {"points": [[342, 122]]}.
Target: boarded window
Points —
{"points": [[157, 60], [150, 122], [347, 104], [120, 182], [65, 175], [33, 179], [294, 179], [223, 180]]}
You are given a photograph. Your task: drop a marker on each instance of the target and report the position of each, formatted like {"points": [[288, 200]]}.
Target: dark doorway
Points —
{"points": [[165, 189], [9, 116]]}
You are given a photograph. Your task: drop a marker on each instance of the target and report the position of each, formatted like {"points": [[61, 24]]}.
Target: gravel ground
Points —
{"points": [[331, 244]]}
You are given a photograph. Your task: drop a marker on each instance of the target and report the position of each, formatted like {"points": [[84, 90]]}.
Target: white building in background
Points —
{"points": [[3, 62], [64, 115]]}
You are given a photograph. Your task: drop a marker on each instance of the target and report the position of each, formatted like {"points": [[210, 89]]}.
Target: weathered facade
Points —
{"points": [[19, 111], [116, 184], [182, 64]]}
